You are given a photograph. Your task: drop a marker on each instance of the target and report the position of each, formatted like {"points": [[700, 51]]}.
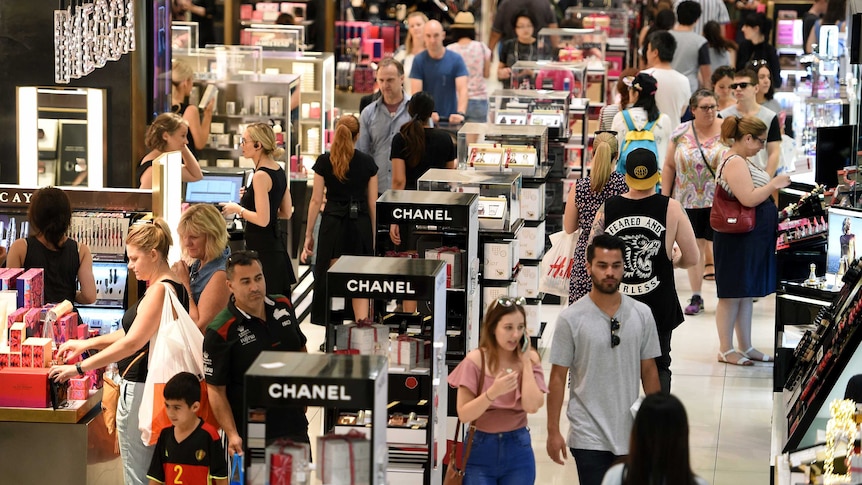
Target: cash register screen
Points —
{"points": [[214, 188], [845, 232]]}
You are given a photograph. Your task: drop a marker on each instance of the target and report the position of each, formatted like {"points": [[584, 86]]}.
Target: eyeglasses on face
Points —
{"points": [[508, 301], [761, 140], [615, 330], [740, 85], [708, 108]]}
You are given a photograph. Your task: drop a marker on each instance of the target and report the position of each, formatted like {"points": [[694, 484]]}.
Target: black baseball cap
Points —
{"points": [[642, 169]]}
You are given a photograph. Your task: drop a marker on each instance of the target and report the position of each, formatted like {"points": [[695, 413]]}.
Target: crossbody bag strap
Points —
{"points": [[696, 140], [133, 362], [473, 424]]}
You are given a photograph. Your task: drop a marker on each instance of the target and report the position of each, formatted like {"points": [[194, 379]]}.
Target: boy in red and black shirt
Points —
{"points": [[189, 452]]}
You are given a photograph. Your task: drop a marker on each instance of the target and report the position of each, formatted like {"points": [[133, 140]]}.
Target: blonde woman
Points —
{"points": [[349, 179], [203, 238], [584, 200], [147, 246], [264, 202], [182, 81], [413, 45], [168, 134]]}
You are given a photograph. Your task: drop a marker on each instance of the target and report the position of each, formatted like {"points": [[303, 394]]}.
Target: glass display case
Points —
{"points": [[499, 193], [274, 37], [224, 62], [613, 21], [572, 45], [506, 148], [530, 108], [184, 36], [550, 75]]}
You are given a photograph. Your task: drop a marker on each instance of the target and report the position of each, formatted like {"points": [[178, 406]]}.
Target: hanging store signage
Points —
{"points": [[88, 35]]}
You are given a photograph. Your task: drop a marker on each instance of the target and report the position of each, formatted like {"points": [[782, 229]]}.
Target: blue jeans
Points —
{"points": [[501, 459], [135, 455], [477, 111], [592, 465]]}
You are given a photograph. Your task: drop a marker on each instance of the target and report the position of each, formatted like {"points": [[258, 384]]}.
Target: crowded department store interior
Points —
{"points": [[387, 241]]}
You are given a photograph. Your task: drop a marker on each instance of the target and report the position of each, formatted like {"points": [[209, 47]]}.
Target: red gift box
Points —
{"points": [[29, 287], [80, 384], [83, 331], [280, 469], [17, 335], [286, 462], [78, 395], [9, 278], [14, 359], [4, 357], [24, 387], [36, 352]]}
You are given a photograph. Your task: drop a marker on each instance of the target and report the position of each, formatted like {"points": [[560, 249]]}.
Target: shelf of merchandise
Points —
{"points": [[246, 18], [422, 390], [533, 242]]}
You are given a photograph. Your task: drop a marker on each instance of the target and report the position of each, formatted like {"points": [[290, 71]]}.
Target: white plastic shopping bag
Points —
{"points": [[557, 264]]}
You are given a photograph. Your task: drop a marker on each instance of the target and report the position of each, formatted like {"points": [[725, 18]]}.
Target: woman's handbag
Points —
{"points": [[111, 396], [728, 215], [454, 474]]}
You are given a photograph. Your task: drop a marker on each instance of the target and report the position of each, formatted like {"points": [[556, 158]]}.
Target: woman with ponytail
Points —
{"points": [[643, 111], [417, 148], [182, 81], [264, 202], [584, 201], [349, 179], [745, 266]]}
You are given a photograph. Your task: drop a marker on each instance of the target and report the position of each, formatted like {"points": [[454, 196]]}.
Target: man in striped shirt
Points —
{"points": [[710, 10]]}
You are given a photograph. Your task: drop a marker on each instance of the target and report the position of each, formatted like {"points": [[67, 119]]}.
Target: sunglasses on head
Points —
{"points": [[508, 301], [740, 85], [615, 330]]}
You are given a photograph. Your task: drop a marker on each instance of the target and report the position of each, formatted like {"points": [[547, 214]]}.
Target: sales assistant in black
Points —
{"points": [[658, 237], [251, 323]]}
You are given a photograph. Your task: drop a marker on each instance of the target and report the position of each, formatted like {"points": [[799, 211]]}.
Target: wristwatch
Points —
{"points": [[79, 369]]}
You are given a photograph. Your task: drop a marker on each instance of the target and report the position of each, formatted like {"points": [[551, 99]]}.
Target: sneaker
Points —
{"points": [[695, 306]]}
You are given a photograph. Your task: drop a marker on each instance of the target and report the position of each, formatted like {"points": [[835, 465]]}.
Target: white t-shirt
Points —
{"points": [[614, 476], [662, 129], [672, 95]]}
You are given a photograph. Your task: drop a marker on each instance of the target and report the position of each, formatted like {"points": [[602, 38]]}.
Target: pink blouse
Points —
{"points": [[505, 413]]}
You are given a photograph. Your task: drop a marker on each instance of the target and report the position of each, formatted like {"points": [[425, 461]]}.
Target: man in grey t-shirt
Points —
{"points": [[609, 343], [692, 52]]}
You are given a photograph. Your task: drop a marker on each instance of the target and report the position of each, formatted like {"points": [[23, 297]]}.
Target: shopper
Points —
{"points": [[584, 200], [417, 148], [414, 43], [503, 25], [477, 57], [348, 177], [203, 238], [608, 342], [722, 78], [673, 89], [442, 74], [253, 321], [745, 88], [691, 57], [182, 82], [67, 264], [189, 452], [664, 21], [608, 111], [765, 90], [265, 201], [644, 110], [147, 246], [745, 263], [659, 237], [168, 133], [712, 11], [513, 386], [688, 176], [836, 11], [722, 52], [523, 47], [756, 28], [382, 119], [658, 449]]}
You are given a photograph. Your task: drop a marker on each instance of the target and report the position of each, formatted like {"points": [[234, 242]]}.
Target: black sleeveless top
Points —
{"points": [[138, 372], [648, 277], [257, 237], [60, 268]]}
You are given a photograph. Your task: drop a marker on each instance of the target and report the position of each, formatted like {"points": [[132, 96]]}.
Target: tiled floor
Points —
{"points": [[729, 407]]}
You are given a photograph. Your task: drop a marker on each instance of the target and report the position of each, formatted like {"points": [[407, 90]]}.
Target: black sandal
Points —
{"points": [[710, 276]]}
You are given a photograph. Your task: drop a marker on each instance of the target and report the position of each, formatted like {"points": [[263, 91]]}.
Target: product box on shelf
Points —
{"points": [[33, 321], [533, 203], [29, 287], [16, 316], [533, 311], [368, 339], [344, 459], [66, 328], [485, 156], [9, 278], [24, 387], [454, 258], [528, 281], [36, 352], [79, 388], [531, 241], [4, 356], [17, 336], [15, 359], [287, 463], [491, 293], [521, 159], [501, 258], [405, 352]]}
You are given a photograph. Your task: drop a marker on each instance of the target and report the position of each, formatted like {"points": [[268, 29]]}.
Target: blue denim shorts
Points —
{"points": [[501, 459]]}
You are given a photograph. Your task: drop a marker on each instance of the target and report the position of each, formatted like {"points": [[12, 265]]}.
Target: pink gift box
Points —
{"points": [[14, 359], [83, 331], [17, 335], [33, 321], [66, 328], [245, 11], [78, 395], [9, 278], [29, 287], [16, 316], [80, 384], [36, 352]]}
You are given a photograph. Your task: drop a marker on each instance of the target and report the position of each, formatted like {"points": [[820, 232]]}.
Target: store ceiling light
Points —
{"points": [[88, 35]]}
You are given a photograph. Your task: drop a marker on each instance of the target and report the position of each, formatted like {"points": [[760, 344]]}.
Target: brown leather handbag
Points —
{"points": [[728, 215], [454, 475]]}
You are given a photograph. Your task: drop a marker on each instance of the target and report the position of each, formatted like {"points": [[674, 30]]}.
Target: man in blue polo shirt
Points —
{"points": [[442, 74], [251, 323]]}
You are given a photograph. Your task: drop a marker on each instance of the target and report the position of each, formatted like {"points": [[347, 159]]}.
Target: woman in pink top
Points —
{"points": [[514, 386]]}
